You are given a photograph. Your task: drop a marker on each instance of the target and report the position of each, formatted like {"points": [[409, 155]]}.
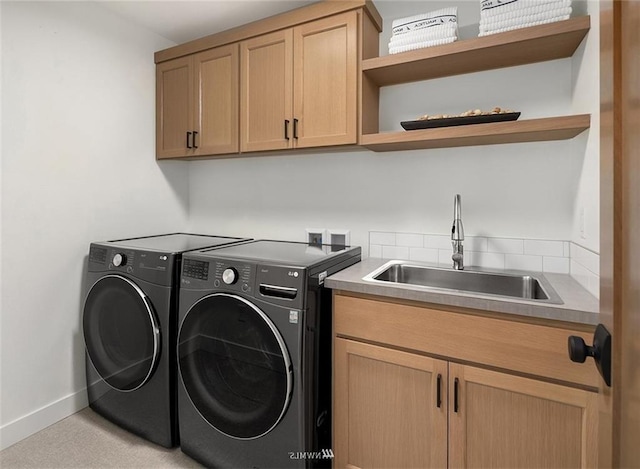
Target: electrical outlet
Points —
{"points": [[316, 236], [339, 237], [581, 224]]}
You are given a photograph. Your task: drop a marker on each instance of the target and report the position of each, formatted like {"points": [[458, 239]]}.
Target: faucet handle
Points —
{"points": [[457, 230]]}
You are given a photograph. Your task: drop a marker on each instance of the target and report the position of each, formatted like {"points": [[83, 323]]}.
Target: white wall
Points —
{"points": [[529, 190], [585, 92], [78, 165]]}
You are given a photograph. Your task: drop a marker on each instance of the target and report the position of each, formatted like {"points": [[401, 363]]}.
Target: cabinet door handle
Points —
{"points": [[188, 137], [455, 395], [195, 134], [295, 128], [439, 391], [286, 129]]}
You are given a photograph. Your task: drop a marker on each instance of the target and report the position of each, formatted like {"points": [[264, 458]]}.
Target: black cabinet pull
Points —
{"points": [[188, 137], [439, 391], [295, 128], [286, 129], [195, 134], [455, 395]]}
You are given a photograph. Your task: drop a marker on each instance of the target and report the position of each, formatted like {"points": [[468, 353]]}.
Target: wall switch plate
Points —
{"points": [[316, 236], [339, 237]]}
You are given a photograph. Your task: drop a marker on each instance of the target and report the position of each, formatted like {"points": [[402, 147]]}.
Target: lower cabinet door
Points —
{"points": [[388, 411], [500, 420]]}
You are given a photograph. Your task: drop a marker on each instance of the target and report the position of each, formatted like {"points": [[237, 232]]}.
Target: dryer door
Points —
{"points": [[121, 332], [234, 366]]}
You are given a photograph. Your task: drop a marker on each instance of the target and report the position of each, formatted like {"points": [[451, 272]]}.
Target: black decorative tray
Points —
{"points": [[451, 121]]}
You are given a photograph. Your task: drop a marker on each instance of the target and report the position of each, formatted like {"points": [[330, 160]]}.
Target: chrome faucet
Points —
{"points": [[457, 234]]}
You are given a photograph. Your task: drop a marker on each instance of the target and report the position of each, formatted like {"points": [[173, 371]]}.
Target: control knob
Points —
{"points": [[119, 259], [230, 276]]}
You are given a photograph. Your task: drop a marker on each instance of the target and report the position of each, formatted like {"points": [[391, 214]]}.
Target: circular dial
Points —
{"points": [[229, 276], [119, 259]]}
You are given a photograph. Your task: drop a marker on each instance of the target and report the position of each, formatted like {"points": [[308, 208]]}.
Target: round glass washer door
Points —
{"points": [[121, 333], [234, 365]]}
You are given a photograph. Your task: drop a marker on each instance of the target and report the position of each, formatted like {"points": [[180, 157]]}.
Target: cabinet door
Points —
{"points": [[265, 97], [386, 409], [216, 98], [325, 81], [174, 107], [508, 421]]}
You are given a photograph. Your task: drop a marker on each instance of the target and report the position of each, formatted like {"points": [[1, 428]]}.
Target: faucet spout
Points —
{"points": [[457, 234]]}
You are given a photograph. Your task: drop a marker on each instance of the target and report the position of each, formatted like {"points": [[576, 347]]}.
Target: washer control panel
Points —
{"points": [[192, 268], [233, 275], [224, 275], [121, 260]]}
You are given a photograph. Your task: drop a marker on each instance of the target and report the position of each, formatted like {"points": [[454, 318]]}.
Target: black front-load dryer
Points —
{"points": [[129, 323], [254, 354]]}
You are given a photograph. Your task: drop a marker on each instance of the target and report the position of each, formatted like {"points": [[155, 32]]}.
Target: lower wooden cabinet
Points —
{"points": [[501, 420], [388, 410], [398, 409]]}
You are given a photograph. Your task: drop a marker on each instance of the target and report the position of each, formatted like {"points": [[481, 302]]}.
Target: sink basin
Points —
{"points": [[507, 284]]}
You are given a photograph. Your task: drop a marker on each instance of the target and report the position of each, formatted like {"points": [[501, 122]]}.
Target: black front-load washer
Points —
{"points": [[254, 354], [129, 324]]}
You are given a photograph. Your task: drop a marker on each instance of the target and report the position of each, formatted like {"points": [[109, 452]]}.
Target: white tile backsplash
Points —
{"points": [[489, 260], [556, 265], [423, 254], [383, 238], [585, 268], [537, 247], [506, 245], [523, 262], [437, 241], [553, 256], [586, 258], [586, 278], [475, 243], [395, 252], [411, 240], [375, 250]]}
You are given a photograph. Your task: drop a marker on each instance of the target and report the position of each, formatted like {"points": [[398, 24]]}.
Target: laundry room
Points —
{"points": [[86, 160]]}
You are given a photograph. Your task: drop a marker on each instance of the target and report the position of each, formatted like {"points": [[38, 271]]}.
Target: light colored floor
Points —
{"points": [[87, 440]]}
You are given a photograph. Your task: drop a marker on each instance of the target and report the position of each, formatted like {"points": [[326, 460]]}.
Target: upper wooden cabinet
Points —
{"points": [[266, 92], [288, 81], [197, 104], [174, 103], [299, 86]]}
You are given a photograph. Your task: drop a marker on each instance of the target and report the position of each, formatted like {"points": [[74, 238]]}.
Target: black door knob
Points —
{"points": [[579, 351], [600, 351]]}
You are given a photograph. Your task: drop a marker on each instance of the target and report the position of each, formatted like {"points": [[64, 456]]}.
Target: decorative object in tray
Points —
{"points": [[425, 30], [497, 16], [476, 116]]}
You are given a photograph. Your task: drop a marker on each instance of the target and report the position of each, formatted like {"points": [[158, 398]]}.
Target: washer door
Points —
{"points": [[234, 366], [121, 332]]}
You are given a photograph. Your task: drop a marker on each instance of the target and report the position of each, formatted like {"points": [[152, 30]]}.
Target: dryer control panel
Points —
{"points": [[218, 274], [151, 266], [280, 285]]}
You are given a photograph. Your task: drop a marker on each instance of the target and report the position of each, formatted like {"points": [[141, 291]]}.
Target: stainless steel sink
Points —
{"points": [[506, 284]]}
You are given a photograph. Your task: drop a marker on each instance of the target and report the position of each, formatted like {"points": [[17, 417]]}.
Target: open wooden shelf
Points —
{"points": [[531, 130], [518, 47]]}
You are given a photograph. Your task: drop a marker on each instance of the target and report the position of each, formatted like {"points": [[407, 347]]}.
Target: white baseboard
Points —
{"points": [[25, 426]]}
